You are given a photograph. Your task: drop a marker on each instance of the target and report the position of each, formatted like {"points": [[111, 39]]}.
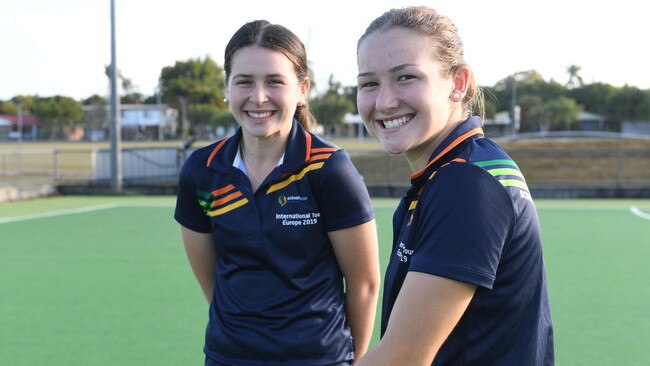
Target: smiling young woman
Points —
{"points": [[276, 222], [466, 282]]}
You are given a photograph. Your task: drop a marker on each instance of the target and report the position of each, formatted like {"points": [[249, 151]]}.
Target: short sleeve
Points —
{"points": [[343, 198], [465, 218], [189, 212]]}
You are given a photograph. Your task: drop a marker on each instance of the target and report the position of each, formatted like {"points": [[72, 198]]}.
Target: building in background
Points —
{"points": [[138, 122], [15, 128]]}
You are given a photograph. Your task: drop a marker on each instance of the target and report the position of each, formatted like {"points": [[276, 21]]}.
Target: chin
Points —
{"points": [[391, 149]]}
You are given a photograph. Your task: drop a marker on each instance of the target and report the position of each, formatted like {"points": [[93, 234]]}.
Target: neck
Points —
{"points": [[419, 156], [260, 159]]}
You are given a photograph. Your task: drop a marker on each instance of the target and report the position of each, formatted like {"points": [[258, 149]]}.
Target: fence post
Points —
{"points": [[619, 166], [55, 165]]}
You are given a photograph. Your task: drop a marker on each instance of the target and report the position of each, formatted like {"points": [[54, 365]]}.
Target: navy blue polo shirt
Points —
{"points": [[279, 294], [469, 216]]}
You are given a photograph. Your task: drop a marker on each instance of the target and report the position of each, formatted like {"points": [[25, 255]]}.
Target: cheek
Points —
{"points": [[365, 103]]}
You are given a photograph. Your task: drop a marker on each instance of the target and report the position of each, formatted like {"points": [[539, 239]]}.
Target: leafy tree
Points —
{"points": [[331, 107], [528, 103], [26, 101], [8, 107], [58, 114], [129, 95], [192, 82], [95, 100], [556, 114], [593, 97], [96, 113], [132, 98], [350, 93]]}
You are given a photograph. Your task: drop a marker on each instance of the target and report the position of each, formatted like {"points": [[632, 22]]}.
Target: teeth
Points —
{"points": [[260, 115], [395, 122]]}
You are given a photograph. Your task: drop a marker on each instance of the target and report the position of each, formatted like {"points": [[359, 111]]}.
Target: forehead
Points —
{"points": [[260, 60], [394, 46]]}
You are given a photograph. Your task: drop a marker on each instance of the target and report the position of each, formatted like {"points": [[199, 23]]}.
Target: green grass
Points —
{"points": [[112, 286]]}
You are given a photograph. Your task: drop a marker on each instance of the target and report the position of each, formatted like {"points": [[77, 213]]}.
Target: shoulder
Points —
{"points": [[197, 162]]}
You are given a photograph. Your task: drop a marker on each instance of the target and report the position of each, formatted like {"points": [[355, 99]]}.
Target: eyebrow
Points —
{"points": [[248, 76], [391, 70]]}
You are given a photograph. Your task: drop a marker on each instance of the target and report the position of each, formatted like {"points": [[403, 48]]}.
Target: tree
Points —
{"points": [[96, 113], [556, 114], [192, 82], [58, 114], [574, 76], [331, 107], [8, 107], [130, 94], [205, 118]]}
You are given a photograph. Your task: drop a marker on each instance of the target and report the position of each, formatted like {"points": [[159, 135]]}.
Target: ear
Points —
{"points": [[304, 89], [461, 82]]}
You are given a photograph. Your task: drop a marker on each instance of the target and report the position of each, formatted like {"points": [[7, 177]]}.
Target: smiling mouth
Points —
{"points": [[259, 114], [396, 122]]}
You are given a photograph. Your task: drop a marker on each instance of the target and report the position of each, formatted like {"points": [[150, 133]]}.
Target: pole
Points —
{"points": [[20, 137], [513, 112], [116, 131]]}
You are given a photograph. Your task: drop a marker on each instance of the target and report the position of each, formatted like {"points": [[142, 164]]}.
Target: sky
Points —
{"points": [[61, 47]]}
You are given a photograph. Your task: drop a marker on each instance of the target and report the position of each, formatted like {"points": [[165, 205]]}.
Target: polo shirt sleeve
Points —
{"points": [[466, 217], [189, 212], [343, 198]]}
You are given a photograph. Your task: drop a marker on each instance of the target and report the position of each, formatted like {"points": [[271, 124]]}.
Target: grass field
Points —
{"points": [[104, 281]]}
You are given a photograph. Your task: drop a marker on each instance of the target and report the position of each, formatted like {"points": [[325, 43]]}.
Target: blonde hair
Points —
{"points": [[445, 41]]}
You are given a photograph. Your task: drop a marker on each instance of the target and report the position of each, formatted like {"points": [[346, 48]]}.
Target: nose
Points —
{"points": [[387, 99], [258, 94]]}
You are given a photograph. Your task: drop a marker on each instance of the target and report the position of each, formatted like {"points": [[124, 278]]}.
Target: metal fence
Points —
{"points": [[384, 174]]}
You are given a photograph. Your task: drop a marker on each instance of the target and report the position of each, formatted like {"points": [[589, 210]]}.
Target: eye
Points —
{"points": [[275, 82], [405, 77], [367, 84], [243, 82]]}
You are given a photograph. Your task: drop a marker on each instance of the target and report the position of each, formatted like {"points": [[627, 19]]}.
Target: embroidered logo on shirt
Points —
{"points": [[283, 199]]}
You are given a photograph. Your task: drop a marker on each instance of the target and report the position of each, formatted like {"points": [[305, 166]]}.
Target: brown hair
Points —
{"points": [[277, 38], [445, 41]]}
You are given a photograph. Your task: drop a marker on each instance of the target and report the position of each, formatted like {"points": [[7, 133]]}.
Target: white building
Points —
{"points": [[148, 121], [137, 121]]}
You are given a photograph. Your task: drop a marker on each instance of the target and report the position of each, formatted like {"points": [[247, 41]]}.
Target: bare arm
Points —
{"points": [[356, 251], [426, 311], [203, 257]]}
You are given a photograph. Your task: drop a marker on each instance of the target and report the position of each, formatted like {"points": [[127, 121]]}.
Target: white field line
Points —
{"points": [[635, 210], [72, 211]]}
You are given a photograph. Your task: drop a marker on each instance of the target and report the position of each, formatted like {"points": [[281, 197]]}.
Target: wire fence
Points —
{"points": [[575, 168]]}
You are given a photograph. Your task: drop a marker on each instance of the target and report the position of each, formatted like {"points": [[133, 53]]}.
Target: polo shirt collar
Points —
{"points": [[469, 128], [296, 153]]}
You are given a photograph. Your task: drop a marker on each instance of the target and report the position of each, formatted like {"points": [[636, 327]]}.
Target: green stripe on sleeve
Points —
{"points": [[505, 171], [495, 162], [514, 183]]}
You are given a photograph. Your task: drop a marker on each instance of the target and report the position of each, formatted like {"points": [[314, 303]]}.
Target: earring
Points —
{"points": [[225, 100], [456, 96]]}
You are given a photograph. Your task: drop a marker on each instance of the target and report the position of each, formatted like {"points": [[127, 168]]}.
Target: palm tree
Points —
{"points": [[574, 77]]}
